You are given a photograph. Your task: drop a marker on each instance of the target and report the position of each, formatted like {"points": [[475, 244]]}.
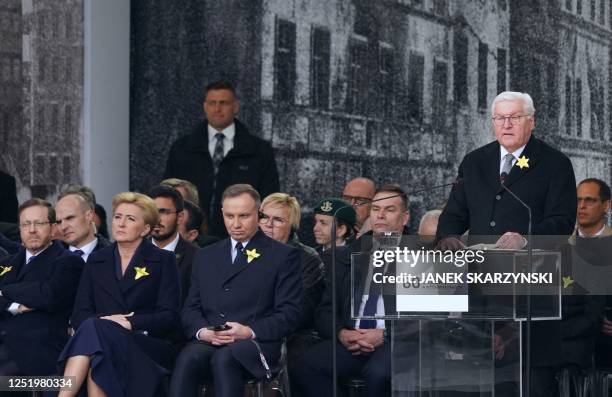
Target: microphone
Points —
{"points": [[530, 263], [333, 266]]}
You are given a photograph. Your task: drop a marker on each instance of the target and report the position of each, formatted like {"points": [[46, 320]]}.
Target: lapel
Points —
{"points": [[179, 252], [531, 152], [104, 271], [492, 169], [51, 251], [258, 242], [243, 142], [15, 265], [197, 141], [145, 258]]}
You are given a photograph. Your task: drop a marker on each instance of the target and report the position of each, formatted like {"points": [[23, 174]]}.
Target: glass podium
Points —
{"points": [[456, 329]]}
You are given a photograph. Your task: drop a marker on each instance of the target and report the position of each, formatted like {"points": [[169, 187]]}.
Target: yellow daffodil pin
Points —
{"points": [[567, 281], [5, 269], [522, 162], [252, 255], [140, 272]]}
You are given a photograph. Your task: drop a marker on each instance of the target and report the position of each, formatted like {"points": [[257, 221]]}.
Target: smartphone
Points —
{"points": [[219, 327]]}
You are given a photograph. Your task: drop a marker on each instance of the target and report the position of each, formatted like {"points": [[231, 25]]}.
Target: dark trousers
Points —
{"points": [[201, 363], [313, 374]]}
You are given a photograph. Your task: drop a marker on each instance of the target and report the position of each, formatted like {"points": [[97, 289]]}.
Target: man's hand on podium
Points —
{"points": [[451, 243], [510, 241]]}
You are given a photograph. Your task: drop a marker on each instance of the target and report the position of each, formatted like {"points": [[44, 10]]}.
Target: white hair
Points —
{"points": [[528, 108]]}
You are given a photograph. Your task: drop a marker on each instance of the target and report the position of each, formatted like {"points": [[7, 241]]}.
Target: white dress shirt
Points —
{"points": [[503, 152], [228, 142], [87, 248], [171, 246]]}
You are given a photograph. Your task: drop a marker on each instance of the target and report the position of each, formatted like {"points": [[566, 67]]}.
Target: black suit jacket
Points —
{"points": [[48, 285], [251, 161], [264, 294], [102, 243], [154, 298], [8, 198], [184, 253], [478, 203], [344, 289]]}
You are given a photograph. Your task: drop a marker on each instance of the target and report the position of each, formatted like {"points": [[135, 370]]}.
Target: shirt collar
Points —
{"points": [[517, 153], [87, 248], [599, 233], [234, 242], [229, 132], [171, 246], [29, 254]]}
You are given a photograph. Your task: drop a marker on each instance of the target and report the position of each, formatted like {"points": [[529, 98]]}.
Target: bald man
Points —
{"points": [[75, 214], [359, 192]]}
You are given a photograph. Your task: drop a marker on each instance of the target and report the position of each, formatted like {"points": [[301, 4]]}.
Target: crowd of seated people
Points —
{"points": [[97, 299], [201, 282]]}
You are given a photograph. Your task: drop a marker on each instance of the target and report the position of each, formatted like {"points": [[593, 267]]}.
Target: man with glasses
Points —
{"points": [[37, 290], [166, 236], [592, 242], [359, 192], [593, 207], [540, 176]]}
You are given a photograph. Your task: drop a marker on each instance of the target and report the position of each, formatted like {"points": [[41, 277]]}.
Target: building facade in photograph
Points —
{"points": [[561, 53], [42, 108]]}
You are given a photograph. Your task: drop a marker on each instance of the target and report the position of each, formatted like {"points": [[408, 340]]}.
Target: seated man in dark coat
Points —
{"points": [[75, 222], [362, 347], [37, 289], [244, 299]]}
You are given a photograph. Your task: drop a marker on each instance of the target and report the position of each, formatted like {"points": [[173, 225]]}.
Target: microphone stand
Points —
{"points": [[333, 270], [528, 316]]}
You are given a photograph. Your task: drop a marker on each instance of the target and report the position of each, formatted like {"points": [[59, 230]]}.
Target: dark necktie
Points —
{"points": [[239, 251], [508, 158], [80, 253], [218, 152], [369, 309]]}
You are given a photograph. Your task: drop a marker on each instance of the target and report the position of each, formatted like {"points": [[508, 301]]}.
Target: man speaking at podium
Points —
{"points": [[539, 175]]}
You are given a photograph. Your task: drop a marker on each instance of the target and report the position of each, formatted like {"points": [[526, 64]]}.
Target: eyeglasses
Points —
{"points": [[276, 221], [588, 201], [36, 224], [356, 200], [501, 120]]}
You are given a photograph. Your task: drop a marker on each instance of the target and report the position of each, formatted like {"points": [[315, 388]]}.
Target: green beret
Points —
{"points": [[329, 206]]}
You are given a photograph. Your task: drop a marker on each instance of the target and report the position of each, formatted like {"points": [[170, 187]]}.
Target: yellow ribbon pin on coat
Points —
{"points": [[140, 272], [252, 255], [522, 162], [5, 269]]}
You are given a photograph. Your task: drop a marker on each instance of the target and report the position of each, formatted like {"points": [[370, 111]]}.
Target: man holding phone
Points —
{"points": [[244, 298]]}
